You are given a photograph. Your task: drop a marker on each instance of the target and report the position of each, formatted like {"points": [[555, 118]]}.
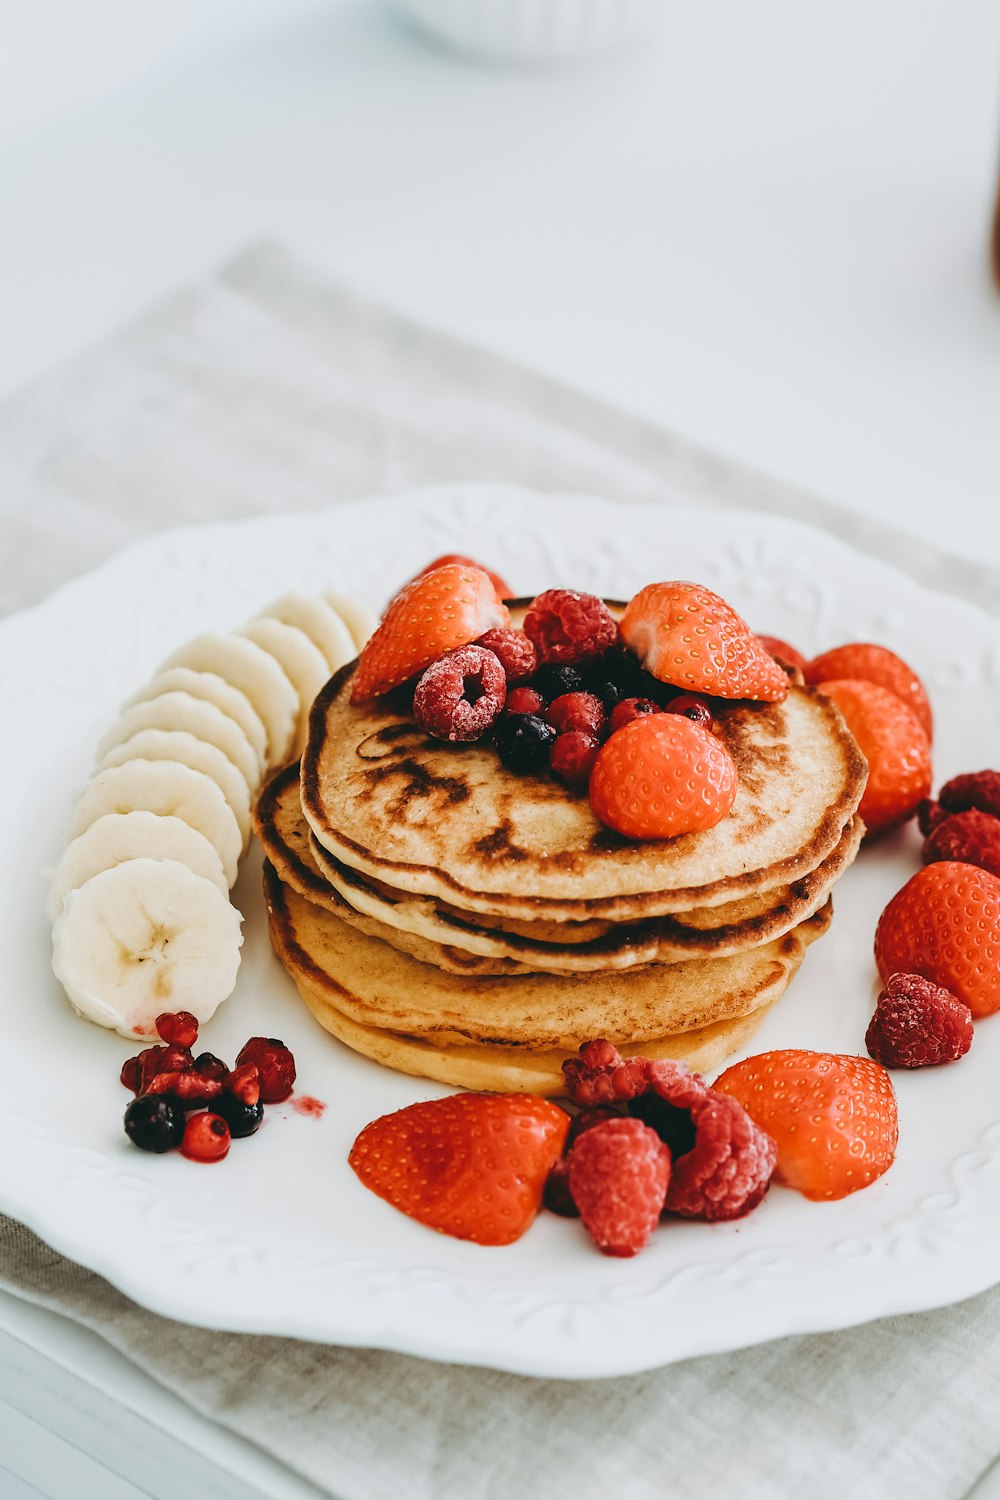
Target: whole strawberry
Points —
{"points": [[685, 634], [618, 1176], [470, 1165], [782, 652], [972, 837], [833, 1118], [895, 746], [662, 776], [870, 663], [438, 612], [918, 1024], [945, 925]]}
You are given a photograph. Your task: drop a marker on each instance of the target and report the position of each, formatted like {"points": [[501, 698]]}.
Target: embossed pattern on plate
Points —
{"points": [[281, 1238]]}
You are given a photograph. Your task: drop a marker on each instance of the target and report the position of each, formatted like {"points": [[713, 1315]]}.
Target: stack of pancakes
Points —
{"points": [[453, 920]]}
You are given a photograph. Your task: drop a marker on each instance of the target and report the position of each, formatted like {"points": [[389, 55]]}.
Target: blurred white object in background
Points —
{"points": [[534, 30]]}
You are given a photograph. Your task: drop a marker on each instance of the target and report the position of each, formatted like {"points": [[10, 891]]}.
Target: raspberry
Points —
{"points": [[567, 626], [552, 680], [629, 709], [972, 837], [178, 1026], [523, 742], [618, 1176], [514, 651], [191, 1090], [572, 757], [723, 1162], [206, 1138], [929, 814], [693, 708], [524, 700], [977, 789], [153, 1060], [580, 711], [587, 1119], [918, 1024], [275, 1064], [459, 695]]}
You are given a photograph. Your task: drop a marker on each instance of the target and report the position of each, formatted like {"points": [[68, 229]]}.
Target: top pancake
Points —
{"points": [[452, 822]]}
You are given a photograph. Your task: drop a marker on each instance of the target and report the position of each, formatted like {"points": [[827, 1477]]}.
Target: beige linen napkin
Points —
{"points": [[268, 389]]}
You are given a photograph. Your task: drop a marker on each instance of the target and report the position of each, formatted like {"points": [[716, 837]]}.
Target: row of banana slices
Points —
{"points": [[139, 901]]}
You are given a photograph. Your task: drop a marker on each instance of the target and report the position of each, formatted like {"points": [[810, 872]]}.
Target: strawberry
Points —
{"points": [[686, 635], [504, 590], [790, 655], [437, 612], [661, 776], [874, 664], [833, 1117], [471, 1165], [945, 925], [893, 742]]}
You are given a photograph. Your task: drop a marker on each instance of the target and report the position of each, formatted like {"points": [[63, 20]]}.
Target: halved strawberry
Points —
{"points": [[686, 635], [945, 925], [504, 590], [437, 612], [833, 1117], [471, 1165]]}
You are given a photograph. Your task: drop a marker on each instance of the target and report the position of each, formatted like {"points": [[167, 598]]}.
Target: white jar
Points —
{"points": [[534, 30]]}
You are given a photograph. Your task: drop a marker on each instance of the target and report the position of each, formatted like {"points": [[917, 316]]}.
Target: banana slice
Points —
{"points": [[214, 689], [302, 663], [167, 788], [136, 835], [255, 673], [359, 619], [181, 713], [321, 624], [144, 937], [188, 750]]}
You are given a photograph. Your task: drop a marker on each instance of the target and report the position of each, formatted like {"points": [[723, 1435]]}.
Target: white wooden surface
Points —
{"points": [[766, 230]]}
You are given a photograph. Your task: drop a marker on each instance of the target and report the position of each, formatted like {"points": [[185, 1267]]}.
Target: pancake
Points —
{"points": [[450, 822], [377, 986], [435, 934]]}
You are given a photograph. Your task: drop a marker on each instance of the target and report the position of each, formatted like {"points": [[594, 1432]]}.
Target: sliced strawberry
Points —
{"points": [[660, 776], [437, 612], [833, 1117], [504, 590], [472, 1165], [876, 664], [686, 635], [895, 746], [945, 925]]}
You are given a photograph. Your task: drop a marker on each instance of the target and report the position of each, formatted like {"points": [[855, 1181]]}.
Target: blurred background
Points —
{"points": [[762, 225]]}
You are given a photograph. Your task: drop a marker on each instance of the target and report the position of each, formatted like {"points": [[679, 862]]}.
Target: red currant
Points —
{"points": [[206, 1138]]}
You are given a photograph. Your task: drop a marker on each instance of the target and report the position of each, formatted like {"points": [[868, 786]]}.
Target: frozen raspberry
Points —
{"points": [[600, 1075], [577, 711], [629, 709], [460, 694], [618, 1176], [929, 814], [552, 680], [972, 837], [524, 700], [275, 1064], [523, 741], [514, 651], [692, 707], [918, 1024], [587, 1119], [567, 626], [572, 757], [178, 1026], [976, 789]]}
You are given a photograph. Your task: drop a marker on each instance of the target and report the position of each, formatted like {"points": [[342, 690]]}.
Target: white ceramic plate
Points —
{"points": [[281, 1238]]}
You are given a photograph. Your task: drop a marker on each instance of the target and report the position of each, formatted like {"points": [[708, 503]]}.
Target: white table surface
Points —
{"points": [[766, 230]]}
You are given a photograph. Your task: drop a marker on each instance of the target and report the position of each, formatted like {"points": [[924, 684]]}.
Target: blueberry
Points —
{"points": [[523, 742], [154, 1123], [554, 679], [609, 693], [242, 1119]]}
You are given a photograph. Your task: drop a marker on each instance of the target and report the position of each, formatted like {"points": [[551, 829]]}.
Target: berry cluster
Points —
{"points": [[199, 1103]]}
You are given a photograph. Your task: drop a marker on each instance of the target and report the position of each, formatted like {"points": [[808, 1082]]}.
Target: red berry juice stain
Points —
{"points": [[305, 1104]]}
